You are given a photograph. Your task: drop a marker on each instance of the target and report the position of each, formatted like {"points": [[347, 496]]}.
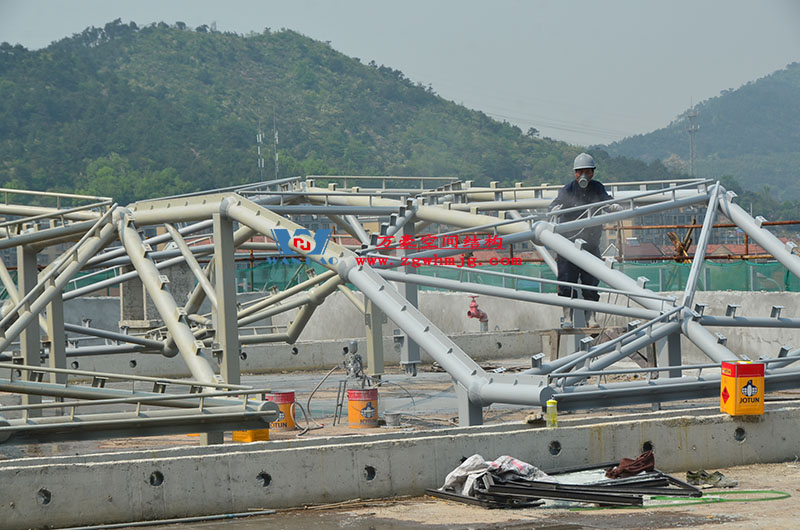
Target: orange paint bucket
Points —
{"points": [[362, 408], [285, 402]]}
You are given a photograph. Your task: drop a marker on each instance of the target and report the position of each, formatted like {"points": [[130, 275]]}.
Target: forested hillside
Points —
{"points": [[134, 112], [750, 133]]}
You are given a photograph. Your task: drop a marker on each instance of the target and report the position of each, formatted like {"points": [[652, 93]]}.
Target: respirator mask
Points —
{"points": [[583, 181]]}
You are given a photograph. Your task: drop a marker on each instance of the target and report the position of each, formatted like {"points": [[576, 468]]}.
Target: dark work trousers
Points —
{"points": [[569, 272]]}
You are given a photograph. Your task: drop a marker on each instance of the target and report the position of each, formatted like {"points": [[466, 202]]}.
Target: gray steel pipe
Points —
{"points": [[641, 336], [195, 267], [165, 420], [700, 253], [195, 359], [482, 388], [513, 294], [657, 390], [43, 236], [358, 230], [658, 332], [116, 280], [104, 258], [88, 392], [108, 349], [82, 253], [769, 242], [567, 249], [105, 334], [601, 219], [286, 293], [750, 322]]}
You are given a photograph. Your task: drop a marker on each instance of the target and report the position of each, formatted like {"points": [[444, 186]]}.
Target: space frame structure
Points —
{"points": [[103, 236]]}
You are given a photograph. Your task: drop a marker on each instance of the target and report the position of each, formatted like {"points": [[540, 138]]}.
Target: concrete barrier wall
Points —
{"points": [[311, 355], [65, 491], [513, 326]]}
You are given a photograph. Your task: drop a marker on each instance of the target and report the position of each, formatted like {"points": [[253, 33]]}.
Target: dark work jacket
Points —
{"points": [[571, 196]]}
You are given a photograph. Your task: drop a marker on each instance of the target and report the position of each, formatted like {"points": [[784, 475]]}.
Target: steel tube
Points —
{"points": [[141, 423], [109, 349], [191, 261], [350, 295], [358, 230], [121, 377], [567, 249], [316, 296], [750, 322], [482, 388], [425, 213], [82, 253], [769, 242], [513, 294], [263, 339], [42, 236], [37, 211], [630, 348], [598, 220], [276, 310], [87, 392], [105, 334], [656, 390], [116, 280], [13, 294], [101, 259], [700, 253], [195, 359], [274, 299]]}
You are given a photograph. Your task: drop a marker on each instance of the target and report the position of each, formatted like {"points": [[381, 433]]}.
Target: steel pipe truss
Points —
{"points": [[220, 223]]}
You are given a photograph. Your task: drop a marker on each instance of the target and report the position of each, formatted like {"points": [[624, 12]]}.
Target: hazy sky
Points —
{"points": [[581, 71]]}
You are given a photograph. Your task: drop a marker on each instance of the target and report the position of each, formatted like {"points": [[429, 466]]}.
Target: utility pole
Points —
{"points": [[692, 129]]}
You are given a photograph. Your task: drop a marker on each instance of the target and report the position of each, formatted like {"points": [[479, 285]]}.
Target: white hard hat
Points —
{"points": [[583, 161]]}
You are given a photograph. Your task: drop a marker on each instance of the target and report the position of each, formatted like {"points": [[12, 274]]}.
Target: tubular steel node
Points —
{"points": [[395, 228]]}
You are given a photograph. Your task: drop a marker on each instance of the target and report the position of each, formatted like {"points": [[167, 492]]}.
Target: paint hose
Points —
{"points": [[307, 415]]}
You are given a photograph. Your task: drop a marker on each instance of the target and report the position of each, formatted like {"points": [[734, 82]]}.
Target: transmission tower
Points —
{"points": [[275, 134], [259, 139], [692, 129]]}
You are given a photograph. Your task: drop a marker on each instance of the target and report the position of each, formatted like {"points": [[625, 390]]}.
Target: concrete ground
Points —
{"points": [[737, 508]]}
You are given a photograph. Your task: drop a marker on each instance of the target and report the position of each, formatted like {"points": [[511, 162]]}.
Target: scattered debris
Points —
{"points": [[511, 483]]}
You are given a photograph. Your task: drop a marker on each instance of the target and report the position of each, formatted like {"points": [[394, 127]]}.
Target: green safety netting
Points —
{"points": [[282, 274], [715, 276]]}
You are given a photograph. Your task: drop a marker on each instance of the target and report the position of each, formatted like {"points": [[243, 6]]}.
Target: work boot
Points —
{"points": [[566, 320], [591, 321]]}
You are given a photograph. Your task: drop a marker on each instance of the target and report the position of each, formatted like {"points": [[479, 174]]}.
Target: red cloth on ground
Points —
{"points": [[628, 467]]}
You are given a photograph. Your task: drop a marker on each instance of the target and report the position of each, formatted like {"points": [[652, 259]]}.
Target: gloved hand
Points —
{"points": [[553, 213], [614, 208]]}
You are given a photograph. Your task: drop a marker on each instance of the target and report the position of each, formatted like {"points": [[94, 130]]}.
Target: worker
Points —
{"points": [[582, 191]]}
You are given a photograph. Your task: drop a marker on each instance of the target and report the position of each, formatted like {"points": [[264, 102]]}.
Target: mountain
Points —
{"points": [[134, 112], [750, 133]]}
